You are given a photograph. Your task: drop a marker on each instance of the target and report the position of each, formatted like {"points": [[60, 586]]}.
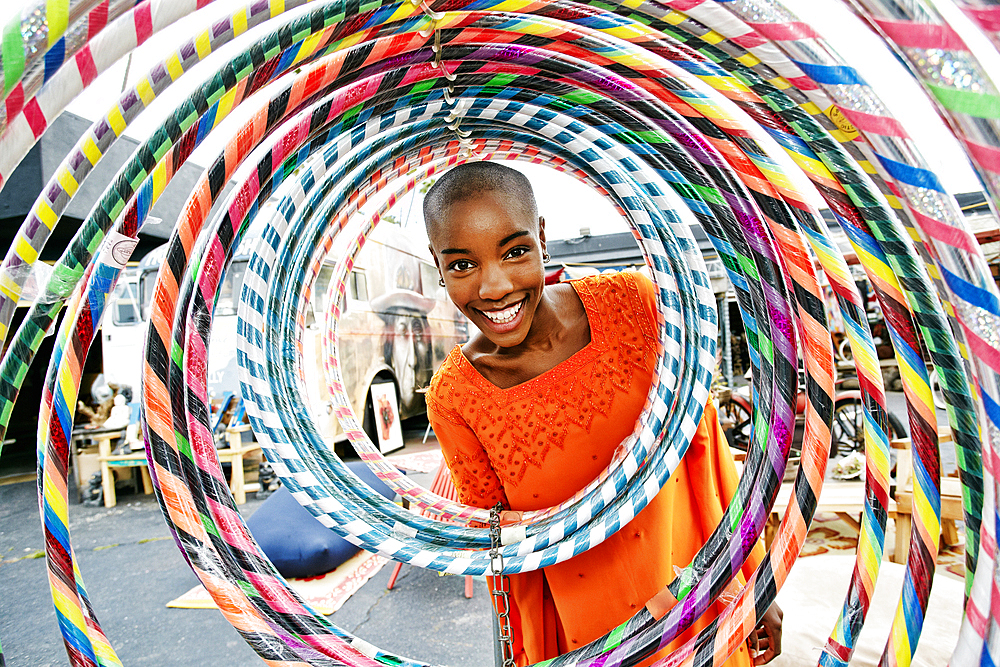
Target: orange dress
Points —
{"points": [[536, 444]]}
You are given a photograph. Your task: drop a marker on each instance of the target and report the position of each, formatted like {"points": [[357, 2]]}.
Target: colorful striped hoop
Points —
{"points": [[757, 53]]}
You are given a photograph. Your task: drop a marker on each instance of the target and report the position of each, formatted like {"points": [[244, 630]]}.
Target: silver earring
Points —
{"points": [[441, 282], [545, 257]]}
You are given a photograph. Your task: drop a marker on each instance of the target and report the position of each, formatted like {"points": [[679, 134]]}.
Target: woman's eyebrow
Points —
{"points": [[507, 239], [504, 241]]}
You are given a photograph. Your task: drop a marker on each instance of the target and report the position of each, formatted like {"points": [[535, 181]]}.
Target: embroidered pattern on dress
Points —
{"points": [[518, 427]]}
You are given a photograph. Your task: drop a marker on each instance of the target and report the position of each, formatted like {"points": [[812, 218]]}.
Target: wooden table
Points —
{"points": [[109, 461], [233, 454], [845, 499], [951, 499]]}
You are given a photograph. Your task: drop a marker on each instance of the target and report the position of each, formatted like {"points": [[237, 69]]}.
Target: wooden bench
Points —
{"points": [[951, 499], [107, 460], [845, 499], [233, 454]]}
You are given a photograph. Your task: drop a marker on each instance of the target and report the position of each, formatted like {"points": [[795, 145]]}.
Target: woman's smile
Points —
{"points": [[505, 319]]}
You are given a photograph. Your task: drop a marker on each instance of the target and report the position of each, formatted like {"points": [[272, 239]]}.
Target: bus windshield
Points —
{"points": [[228, 292]]}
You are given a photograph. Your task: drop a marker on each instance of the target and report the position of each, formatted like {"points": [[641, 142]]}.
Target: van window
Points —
{"points": [[320, 291], [126, 304], [229, 291], [358, 285], [357, 290]]}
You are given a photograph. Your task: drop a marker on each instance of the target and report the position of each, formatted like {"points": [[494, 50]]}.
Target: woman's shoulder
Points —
{"points": [[624, 300], [631, 280], [614, 289], [448, 381], [449, 368]]}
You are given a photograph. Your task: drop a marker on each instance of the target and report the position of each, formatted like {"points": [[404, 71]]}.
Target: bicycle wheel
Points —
{"points": [[736, 422], [848, 429]]}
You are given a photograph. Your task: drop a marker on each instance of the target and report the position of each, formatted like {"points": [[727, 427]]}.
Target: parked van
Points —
{"points": [[397, 325]]}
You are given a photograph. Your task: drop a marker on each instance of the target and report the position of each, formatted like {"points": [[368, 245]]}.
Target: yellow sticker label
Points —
{"points": [[834, 113]]}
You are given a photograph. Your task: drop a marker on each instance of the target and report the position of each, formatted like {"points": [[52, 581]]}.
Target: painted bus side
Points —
{"points": [[397, 324]]}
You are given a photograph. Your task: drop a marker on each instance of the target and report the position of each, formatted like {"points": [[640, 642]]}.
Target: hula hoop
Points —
{"points": [[785, 107], [95, 143], [515, 565]]}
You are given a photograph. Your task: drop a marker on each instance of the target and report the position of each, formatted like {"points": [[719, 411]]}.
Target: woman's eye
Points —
{"points": [[461, 265], [517, 252]]}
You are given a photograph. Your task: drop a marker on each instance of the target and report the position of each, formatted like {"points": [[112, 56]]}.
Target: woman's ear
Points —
{"points": [[541, 231], [436, 265]]}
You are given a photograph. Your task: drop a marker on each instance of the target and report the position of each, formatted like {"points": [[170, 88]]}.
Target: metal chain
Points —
{"points": [[501, 590]]}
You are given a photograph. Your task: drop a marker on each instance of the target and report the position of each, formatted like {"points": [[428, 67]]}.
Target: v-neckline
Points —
{"points": [[559, 371]]}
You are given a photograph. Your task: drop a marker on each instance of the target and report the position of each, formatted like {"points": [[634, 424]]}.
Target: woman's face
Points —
{"points": [[490, 255]]}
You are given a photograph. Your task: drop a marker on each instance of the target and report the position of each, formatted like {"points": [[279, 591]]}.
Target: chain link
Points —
{"points": [[501, 590]]}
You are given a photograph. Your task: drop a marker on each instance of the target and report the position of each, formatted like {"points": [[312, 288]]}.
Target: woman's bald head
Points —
{"points": [[470, 180]]}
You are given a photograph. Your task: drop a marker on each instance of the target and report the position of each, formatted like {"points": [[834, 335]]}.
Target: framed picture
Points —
{"points": [[390, 434]]}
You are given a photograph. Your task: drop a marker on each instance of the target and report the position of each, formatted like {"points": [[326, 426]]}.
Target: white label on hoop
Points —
{"points": [[117, 249], [512, 534], [364, 647], [399, 528]]}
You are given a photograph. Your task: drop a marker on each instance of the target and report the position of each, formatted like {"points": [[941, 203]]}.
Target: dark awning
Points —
{"points": [[31, 175]]}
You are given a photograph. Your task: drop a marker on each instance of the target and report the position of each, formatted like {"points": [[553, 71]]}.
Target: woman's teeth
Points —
{"points": [[505, 315]]}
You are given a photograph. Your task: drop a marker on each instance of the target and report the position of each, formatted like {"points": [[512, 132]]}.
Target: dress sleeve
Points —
{"points": [[729, 480], [471, 471], [645, 294]]}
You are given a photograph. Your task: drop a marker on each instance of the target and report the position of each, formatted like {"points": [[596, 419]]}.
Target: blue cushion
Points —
{"points": [[295, 541]]}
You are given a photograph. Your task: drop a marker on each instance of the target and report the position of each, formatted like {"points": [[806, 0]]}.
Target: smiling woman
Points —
{"points": [[489, 245], [533, 407]]}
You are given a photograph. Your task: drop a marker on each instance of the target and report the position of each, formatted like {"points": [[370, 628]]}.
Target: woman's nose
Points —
{"points": [[496, 284]]}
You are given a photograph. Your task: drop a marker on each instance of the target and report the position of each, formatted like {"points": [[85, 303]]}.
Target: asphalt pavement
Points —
{"points": [[132, 568]]}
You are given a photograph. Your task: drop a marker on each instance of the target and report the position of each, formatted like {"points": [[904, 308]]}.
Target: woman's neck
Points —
{"points": [[559, 330]]}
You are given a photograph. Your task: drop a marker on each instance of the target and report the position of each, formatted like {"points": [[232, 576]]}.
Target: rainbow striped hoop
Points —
{"points": [[739, 112]]}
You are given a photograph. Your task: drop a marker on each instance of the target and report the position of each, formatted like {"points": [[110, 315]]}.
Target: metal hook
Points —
{"points": [[462, 134], [466, 147], [436, 48], [426, 9], [447, 75], [454, 120]]}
